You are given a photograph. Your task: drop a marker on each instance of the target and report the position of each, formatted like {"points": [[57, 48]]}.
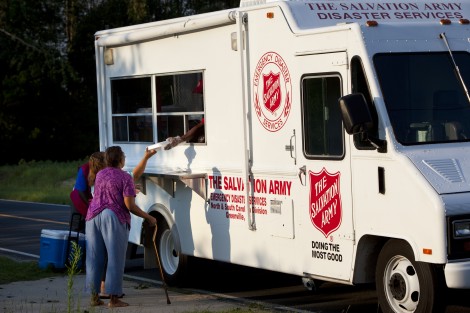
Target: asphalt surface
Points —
{"points": [[215, 287]]}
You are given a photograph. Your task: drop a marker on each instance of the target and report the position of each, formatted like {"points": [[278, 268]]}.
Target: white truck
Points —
{"points": [[336, 144]]}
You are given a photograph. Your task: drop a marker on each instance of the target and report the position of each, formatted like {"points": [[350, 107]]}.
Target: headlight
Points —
{"points": [[458, 237], [461, 229]]}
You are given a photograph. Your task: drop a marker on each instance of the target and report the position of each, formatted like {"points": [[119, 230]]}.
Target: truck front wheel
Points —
{"points": [[173, 262], [404, 285]]}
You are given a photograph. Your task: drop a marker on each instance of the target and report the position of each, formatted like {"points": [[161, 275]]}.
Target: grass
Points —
{"points": [[12, 270], [42, 181], [45, 182]]}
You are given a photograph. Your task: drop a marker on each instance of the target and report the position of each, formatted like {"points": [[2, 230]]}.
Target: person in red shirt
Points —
{"points": [[81, 194]]}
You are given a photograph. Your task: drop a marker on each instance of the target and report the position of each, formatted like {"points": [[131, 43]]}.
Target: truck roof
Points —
{"points": [[313, 14], [301, 15]]}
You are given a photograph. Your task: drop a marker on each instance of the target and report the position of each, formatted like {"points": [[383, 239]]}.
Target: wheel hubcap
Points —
{"points": [[168, 253], [401, 285], [398, 286]]}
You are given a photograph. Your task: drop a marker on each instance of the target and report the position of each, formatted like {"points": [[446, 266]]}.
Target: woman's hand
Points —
{"points": [[152, 221]]}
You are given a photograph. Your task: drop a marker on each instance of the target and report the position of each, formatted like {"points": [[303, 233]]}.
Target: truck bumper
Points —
{"points": [[458, 275]]}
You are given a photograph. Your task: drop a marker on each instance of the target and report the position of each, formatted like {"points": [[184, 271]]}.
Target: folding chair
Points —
{"points": [[76, 227]]}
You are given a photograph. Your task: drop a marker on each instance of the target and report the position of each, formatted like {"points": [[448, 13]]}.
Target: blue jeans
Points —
{"points": [[105, 234]]}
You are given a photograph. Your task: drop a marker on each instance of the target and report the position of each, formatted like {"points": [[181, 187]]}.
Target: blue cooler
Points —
{"points": [[53, 250]]}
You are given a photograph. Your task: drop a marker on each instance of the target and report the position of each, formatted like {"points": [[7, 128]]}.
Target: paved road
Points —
{"points": [[21, 224], [20, 230]]}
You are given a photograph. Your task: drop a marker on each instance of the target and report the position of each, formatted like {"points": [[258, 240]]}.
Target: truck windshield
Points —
{"points": [[424, 97]]}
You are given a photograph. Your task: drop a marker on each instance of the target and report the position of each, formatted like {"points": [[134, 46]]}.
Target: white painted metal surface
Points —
{"points": [[310, 214]]}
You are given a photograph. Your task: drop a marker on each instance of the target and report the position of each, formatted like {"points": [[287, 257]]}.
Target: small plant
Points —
{"points": [[73, 270]]}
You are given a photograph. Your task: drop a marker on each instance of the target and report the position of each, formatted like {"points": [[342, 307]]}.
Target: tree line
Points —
{"points": [[48, 105]]}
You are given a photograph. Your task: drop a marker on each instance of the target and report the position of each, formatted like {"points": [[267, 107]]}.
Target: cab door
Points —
{"points": [[324, 169]]}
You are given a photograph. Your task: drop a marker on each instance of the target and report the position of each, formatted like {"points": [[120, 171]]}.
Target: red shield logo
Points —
{"points": [[272, 91], [325, 201]]}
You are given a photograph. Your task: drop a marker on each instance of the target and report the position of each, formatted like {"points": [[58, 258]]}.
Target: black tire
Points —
{"points": [[403, 285], [174, 263]]}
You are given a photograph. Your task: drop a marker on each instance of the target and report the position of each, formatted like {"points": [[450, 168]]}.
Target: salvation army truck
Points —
{"points": [[336, 142]]}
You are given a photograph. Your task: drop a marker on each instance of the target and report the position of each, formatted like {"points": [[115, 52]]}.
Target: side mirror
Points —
{"points": [[357, 119], [355, 112]]}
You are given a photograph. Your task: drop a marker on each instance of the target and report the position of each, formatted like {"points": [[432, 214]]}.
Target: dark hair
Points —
{"points": [[113, 156]]}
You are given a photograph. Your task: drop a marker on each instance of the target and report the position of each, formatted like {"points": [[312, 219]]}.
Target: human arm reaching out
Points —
{"points": [[140, 168], [174, 141], [136, 210]]}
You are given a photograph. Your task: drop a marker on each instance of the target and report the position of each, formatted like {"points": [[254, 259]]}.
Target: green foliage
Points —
{"points": [[12, 271], [39, 181], [48, 105], [72, 271]]}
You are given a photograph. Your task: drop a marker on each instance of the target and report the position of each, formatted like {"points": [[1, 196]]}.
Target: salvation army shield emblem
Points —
{"points": [[271, 91], [325, 208]]}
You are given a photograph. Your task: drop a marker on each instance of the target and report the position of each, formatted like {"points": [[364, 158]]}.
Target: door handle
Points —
{"points": [[291, 148], [303, 171]]}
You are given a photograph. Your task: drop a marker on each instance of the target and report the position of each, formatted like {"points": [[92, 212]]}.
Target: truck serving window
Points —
{"points": [[132, 109], [178, 99], [424, 98], [180, 104], [322, 124]]}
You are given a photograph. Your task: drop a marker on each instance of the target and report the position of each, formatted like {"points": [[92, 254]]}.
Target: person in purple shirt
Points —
{"points": [[107, 227], [136, 174]]}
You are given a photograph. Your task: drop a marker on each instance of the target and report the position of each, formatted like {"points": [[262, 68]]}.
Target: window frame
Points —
{"points": [[305, 132], [155, 114]]}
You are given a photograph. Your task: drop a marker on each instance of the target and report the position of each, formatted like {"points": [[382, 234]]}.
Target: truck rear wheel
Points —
{"points": [[403, 285], [173, 262]]}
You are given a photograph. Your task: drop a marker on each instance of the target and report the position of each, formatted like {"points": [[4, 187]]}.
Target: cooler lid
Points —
{"points": [[60, 234]]}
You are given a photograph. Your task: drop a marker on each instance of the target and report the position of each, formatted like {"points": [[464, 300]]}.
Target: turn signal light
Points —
{"points": [[445, 21], [427, 251], [371, 23]]}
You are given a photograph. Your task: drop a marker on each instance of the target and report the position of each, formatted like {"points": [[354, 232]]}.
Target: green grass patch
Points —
{"points": [[43, 181], [12, 270]]}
